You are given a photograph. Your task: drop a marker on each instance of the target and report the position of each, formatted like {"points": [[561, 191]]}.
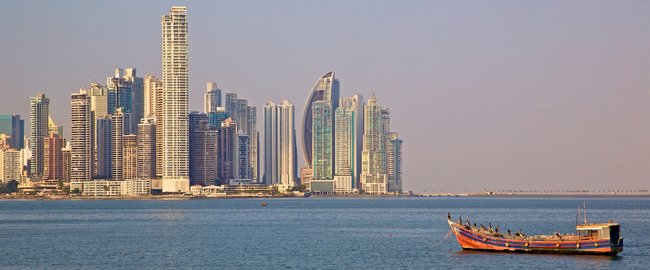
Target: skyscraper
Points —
{"points": [[216, 117], [373, 174], [228, 148], [103, 147], [128, 92], [13, 126], [147, 149], [120, 123], [326, 88], [242, 156], [10, 165], [53, 128], [175, 79], [154, 108], [246, 118], [53, 159], [280, 144], [204, 154], [81, 138], [39, 116], [129, 156], [348, 140], [394, 163], [322, 147], [211, 98]]}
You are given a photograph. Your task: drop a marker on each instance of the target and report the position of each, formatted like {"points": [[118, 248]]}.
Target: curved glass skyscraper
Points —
{"points": [[326, 88]]}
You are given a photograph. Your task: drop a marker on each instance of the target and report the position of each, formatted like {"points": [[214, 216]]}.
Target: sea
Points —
{"points": [[302, 233]]}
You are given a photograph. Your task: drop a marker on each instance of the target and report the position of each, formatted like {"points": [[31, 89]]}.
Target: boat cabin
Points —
{"points": [[609, 230]]}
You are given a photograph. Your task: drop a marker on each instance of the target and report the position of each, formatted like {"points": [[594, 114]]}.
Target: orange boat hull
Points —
{"points": [[473, 240]]}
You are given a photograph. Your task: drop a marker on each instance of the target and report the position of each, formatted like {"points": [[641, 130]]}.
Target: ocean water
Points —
{"points": [[309, 233]]}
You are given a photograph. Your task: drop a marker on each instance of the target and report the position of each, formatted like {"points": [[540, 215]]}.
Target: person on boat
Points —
{"points": [[474, 224], [468, 224], [448, 216], [460, 220], [497, 229], [508, 231]]}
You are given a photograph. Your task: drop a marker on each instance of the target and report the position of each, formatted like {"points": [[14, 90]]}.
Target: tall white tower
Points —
{"points": [[81, 138], [175, 78]]}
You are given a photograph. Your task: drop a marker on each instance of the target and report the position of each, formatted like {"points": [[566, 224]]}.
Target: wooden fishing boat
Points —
{"points": [[596, 238]]}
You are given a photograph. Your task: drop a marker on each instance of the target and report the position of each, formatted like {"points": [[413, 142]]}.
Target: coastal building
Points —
{"points": [[98, 100], [175, 79], [227, 149], [65, 152], [216, 117], [348, 140], [53, 160], [280, 144], [127, 93], [103, 147], [394, 163], [121, 125], [211, 98], [130, 156], [53, 128], [373, 174], [147, 149], [326, 88], [322, 147], [153, 109], [10, 165], [115, 188], [14, 128], [204, 155], [81, 139], [246, 118], [39, 115], [242, 156]]}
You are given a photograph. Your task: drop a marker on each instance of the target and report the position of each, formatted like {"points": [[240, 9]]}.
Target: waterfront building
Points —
{"points": [[81, 138], [394, 163], [227, 148], [129, 156], [120, 123], [326, 88], [280, 144], [175, 101], [53, 128], [246, 118], [103, 147], [242, 156], [98, 100], [114, 188], [373, 175], [348, 140], [10, 165], [14, 127], [147, 149], [128, 94], [204, 155], [39, 115], [211, 98], [153, 109], [322, 147], [65, 152], [53, 159], [216, 117]]}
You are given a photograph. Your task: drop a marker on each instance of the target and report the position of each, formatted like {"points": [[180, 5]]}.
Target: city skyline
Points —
{"points": [[522, 136]]}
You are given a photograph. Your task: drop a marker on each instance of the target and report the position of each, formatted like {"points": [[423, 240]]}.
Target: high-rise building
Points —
{"points": [[53, 159], [228, 149], [10, 165], [153, 109], [394, 163], [373, 174], [128, 91], [147, 149], [348, 139], [103, 147], [98, 100], [204, 155], [39, 116], [246, 118], [211, 98], [175, 101], [121, 123], [65, 152], [216, 117], [53, 128], [81, 138], [280, 144], [326, 88], [12, 126], [322, 147], [242, 156], [129, 156]]}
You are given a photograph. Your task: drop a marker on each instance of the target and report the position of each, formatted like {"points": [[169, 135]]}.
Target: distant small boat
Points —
{"points": [[596, 238]]}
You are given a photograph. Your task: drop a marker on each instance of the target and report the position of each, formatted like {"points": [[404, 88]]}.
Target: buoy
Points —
{"points": [[263, 204]]}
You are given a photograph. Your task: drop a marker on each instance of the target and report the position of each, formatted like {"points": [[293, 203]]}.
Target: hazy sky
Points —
{"points": [[485, 94]]}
